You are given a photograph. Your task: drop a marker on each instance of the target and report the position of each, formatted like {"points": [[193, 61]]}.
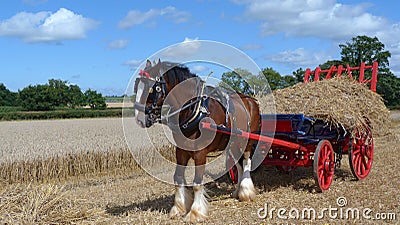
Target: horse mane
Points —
{"points": [[177, 72]]}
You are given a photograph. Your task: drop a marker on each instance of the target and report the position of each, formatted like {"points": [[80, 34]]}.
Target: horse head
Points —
{"points": [[151, 88]]}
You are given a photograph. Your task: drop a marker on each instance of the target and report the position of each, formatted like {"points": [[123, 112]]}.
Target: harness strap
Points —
{"points": [[227, 110]]}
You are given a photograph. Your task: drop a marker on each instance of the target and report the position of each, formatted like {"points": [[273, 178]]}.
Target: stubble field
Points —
{"points": [[96, 181]]}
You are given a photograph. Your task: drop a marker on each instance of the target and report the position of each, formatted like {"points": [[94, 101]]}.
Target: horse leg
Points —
{"points": [[247, 191], [199, 209], [239, 168], [183, 198]]}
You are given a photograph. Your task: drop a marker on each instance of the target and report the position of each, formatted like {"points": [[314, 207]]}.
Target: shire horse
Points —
{"points": [[156, 81]]}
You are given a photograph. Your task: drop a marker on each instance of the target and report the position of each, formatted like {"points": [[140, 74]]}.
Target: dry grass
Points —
{"points": [[140, 199], [45, 204], [110, 189], [144, 200], [42, 151], [42, 139], [83, 164], [339, 101]]}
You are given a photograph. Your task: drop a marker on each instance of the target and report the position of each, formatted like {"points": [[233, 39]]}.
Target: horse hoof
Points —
{"points": [[247, 194], [176, 212], [235, 194], [194, 217]]}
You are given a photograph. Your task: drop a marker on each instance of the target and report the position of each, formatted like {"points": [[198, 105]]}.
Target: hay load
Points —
{"points": [[339, 101]]}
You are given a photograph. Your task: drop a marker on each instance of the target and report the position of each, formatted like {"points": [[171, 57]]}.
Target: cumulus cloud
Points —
{"points": [[299, 57], [46, 26], [136, 17], [185, 48], [320, 18], [326, 19], [198, 68], [133, 64], [118, 44]]}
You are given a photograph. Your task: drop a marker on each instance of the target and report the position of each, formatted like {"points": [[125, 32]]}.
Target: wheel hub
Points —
{"points": [[329, 166]]}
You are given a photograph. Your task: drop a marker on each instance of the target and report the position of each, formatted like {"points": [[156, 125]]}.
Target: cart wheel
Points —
{"points": [[324, 165], [361, 154], [233, 173]]}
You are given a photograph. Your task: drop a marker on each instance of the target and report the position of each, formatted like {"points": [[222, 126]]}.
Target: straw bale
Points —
{"points": [[340, 102]]}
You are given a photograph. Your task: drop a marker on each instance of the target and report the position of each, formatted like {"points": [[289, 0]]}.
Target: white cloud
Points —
{"points": [[299, 57], [135, 17], [317, 18], [186, 48], [46, 26], [326, 19], [198, 68], [133, 64], [118, 44]]}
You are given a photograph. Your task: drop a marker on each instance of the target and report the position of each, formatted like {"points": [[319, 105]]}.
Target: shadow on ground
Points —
{"points": [[161, 204], [265, 178]]}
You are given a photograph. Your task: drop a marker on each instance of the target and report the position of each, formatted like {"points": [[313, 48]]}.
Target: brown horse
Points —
{"points": [[159, 82]]}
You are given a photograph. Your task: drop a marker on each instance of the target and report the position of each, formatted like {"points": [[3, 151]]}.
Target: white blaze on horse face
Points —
{"points": [[139, 93]]}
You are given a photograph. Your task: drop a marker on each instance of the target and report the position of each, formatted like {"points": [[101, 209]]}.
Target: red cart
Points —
{"points": [[299, 141]]}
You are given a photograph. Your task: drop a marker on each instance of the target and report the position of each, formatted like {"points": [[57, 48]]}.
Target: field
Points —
{"points": [[98, 182]]}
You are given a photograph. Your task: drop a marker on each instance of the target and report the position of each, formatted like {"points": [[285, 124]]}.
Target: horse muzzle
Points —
{"points": [[146, 115], [142, 108]]}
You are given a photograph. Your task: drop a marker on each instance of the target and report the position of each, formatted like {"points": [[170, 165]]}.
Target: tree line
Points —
{"points": [[58, 93], [358, 49], [52, 95]]}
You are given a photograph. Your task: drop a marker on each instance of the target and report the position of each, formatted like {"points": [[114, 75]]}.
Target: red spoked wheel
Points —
{"points": [[361, 154], [324, 165], [233, 173]]}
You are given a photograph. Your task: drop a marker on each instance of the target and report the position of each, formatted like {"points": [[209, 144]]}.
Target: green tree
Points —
{"points": [[288, 81], [7, 98], [95, 100], [236, 80], [58, 90], [75, 97], [367, 49], [36, 98], [388, 87], [364, 49], [276, 81], [299, 75], [273, 78]]}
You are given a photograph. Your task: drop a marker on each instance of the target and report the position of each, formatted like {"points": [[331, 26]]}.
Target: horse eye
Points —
{"points": [[158, 88]]}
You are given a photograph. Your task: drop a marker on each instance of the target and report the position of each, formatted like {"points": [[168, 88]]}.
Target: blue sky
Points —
{"points": [[99, 44]]}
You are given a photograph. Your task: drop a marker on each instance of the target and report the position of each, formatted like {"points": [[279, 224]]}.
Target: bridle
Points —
{"points": [[159, 91], [156, 92]]}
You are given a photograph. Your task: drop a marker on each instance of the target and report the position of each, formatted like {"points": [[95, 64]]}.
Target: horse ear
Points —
{"points": [[148, 64], [154, 62], [159, 60]]}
